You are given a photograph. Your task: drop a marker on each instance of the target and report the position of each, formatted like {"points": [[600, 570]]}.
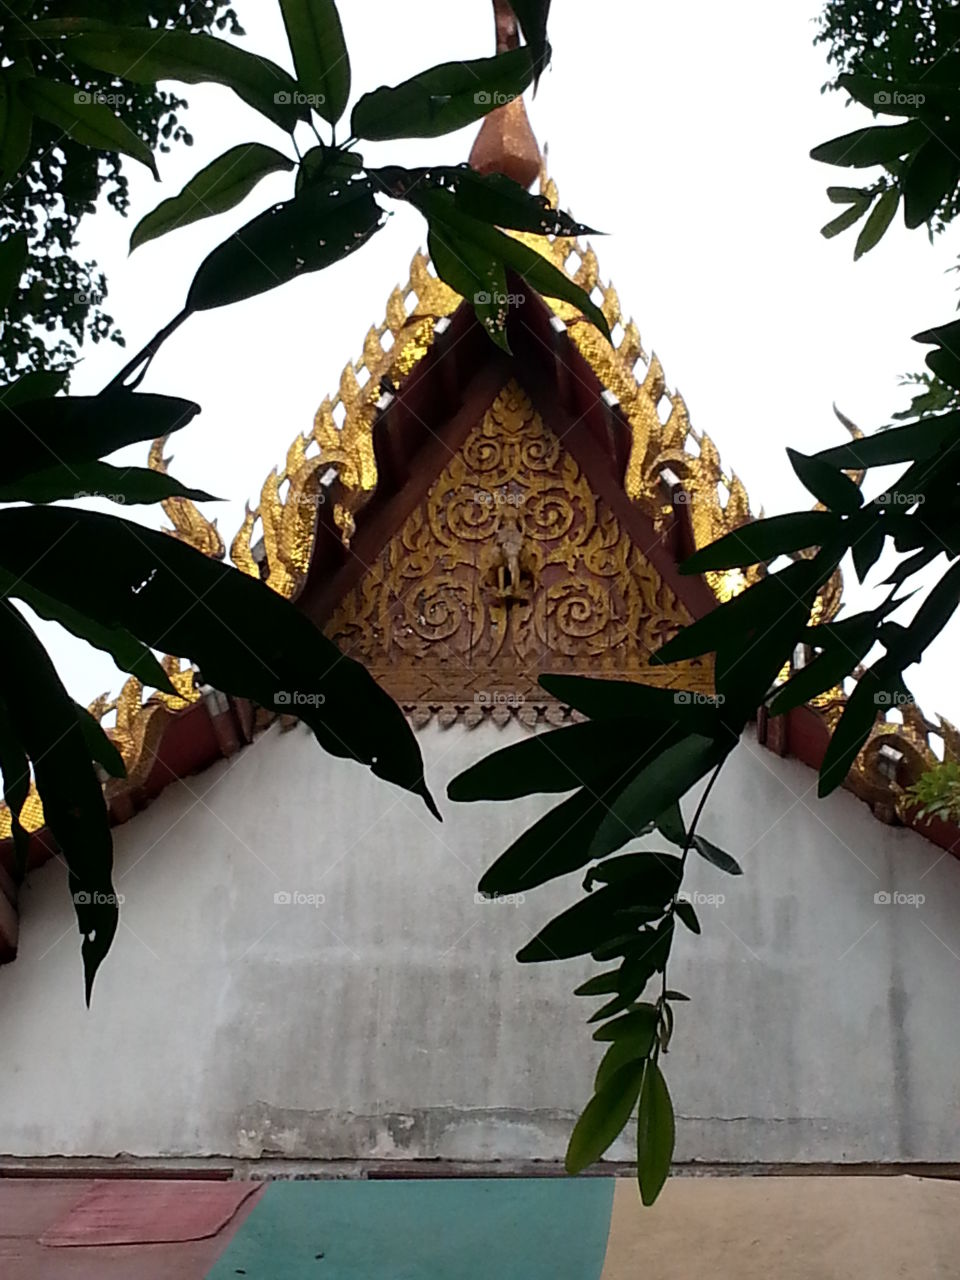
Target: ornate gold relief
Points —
{"points": [[510, 566], [188, 524]]}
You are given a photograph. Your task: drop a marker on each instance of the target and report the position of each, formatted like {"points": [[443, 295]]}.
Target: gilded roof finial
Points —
{"points": [[506, 143]]}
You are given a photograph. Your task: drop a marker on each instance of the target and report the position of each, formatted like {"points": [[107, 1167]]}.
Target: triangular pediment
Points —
{"points": [[510, 566]]}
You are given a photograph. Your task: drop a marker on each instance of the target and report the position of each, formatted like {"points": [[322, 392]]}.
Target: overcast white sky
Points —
{"points": [[680, 128]]}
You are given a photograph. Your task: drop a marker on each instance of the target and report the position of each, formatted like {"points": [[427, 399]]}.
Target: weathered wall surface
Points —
{"points": [[383, 1013]]}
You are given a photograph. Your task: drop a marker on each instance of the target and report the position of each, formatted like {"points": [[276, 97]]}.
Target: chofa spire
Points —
{"points": [[506, 143]]}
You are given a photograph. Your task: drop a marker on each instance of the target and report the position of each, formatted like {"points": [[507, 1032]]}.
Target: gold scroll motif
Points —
{"points": [[509, 567], [138, 728]]}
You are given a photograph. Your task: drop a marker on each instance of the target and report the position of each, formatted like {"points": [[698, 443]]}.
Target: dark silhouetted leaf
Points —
{"points": [[45, 721], [222, 185], [16, 123], [918, 440], [532, 16], [443, 99], [319, 54], [881, 215], [81, 117], [245, 639], [828, 484], [13, 260], [321, 225], [715, 855], [670, 825], [612, 699], [931, 177], [637, 1027], [45, 433], [685, 912], [145, 56], [131, 485], [101, 749], [657, 786], [877, 145], [601, 985], [764, 540]]}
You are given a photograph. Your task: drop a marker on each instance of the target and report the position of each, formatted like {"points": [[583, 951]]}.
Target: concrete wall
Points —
{"points": [[390, 1018]]}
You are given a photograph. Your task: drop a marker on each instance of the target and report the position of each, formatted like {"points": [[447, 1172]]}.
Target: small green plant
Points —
{"points": [[937, 792]]}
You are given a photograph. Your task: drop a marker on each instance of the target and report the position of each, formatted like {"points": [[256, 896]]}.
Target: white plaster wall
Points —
{"points": [[392, 1019]]}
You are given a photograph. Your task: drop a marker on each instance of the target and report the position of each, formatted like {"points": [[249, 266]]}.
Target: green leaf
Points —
{"points": [[849, 195], [101, 749], [44, 719], [881, 216], [16, 787], [853, 728], [919, 440], [621, 1054], [66, 430], [611, 699], [443, 99], [244, 638], [614, 912], [764, 540], [38, 385], [477, 277], [556, 844], [658, 785], [605, 1115], [16, 123], [222, 185], [601, 985], [661, 873], [532, 16], [842, 221], [827, 670], [867, 544], [637, 1027], [13, 261], [145, 55], [685, 912], [935, 612], [656, 1133], [126, 650], [716, 856], [931, 177], [321, 225], [827, 483], [575, 756], [319, 54], [131, 485], [756, 609], [886, 98], [877, 145], [91, 123], [670, 825]]}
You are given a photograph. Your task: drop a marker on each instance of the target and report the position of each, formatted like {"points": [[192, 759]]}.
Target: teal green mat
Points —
{"points": [[450, 1229]]}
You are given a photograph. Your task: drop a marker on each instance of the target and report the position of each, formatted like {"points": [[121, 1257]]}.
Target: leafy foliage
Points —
{"points": [[51, 180], [936, 793]]}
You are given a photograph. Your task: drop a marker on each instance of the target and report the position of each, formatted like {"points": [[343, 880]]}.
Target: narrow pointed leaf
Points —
{"points": [[602, 984], [604, 1118], [244, 638], [686, 912], [716, 856], [13, 260], [621, 1054], [222, 185], [144, 56], [45, 721], [916, 441], [764, 540], [129, 485], [102, 750], [658, 785], [932, 176], [877, 145], [321, 225], [638, 1027], [319, 54], [72, 429], [86, 121], [16, 124], [827, 483], [853, 728], [882, 214], [612, 699], [532, 16], [656, 1133], [443, 99]]}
